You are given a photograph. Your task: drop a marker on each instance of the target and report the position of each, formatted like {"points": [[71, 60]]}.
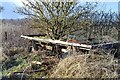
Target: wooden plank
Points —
{"points": [[58, 42]]}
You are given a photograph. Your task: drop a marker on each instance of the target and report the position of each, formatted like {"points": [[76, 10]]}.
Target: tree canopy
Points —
{"points": [[58, 19]]}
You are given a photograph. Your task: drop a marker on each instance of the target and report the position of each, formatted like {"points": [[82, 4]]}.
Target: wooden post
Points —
{"points": [[5, 36], [119, 21]]}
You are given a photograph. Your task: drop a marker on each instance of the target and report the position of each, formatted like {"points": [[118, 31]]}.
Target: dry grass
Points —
{"points": [[87, 66], [74, 66]]}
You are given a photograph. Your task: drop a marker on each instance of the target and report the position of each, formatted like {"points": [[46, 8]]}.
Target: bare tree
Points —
{"points": [[58, 19], [102, 23]]}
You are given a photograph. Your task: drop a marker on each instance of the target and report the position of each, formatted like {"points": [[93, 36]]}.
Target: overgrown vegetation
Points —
{"points": [[27, 63], [74, 66]]}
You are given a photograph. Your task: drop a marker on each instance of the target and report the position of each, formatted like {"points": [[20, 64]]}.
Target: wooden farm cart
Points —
{"points": [[37, 41]]}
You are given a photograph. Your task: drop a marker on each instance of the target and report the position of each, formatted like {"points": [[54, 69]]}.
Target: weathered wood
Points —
{"points": [[58, 42], [59, 45]]}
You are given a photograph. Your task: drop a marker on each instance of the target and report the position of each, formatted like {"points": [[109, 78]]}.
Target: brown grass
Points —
{"points": [[87, 66]]}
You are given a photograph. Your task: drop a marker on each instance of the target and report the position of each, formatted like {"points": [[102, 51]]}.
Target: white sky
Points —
{"points": [[16, 2]]}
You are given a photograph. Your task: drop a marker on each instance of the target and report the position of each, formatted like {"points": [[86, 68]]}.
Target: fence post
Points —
{"points": [[119, 21]]}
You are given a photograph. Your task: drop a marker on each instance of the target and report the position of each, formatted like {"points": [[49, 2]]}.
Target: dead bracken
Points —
{"points": [[87, 66]]}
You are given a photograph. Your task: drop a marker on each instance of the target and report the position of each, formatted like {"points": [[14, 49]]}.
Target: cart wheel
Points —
{"points": [[29, 49], [35, 46]]}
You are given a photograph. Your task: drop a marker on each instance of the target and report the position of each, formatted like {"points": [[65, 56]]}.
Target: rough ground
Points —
{"points": [[87, 66], [45, 66], [22, 62]]}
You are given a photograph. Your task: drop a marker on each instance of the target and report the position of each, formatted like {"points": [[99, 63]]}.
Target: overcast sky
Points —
{"points": [[10, 6]]}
